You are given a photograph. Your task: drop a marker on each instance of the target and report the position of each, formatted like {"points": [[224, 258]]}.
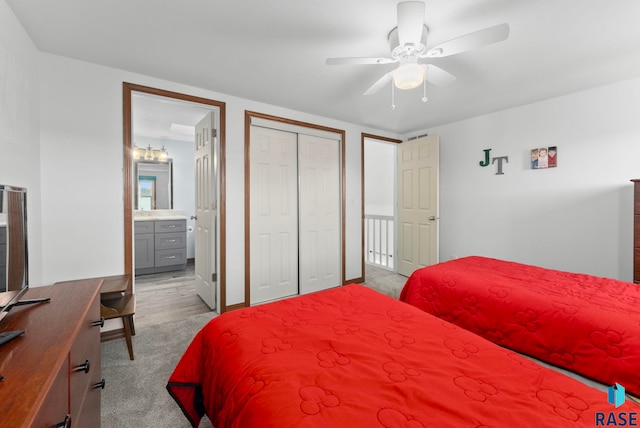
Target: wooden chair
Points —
{"points": [[115, 303]]}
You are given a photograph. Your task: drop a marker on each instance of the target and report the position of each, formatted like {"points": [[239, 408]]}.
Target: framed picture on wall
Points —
{"points": [[544, 157]]}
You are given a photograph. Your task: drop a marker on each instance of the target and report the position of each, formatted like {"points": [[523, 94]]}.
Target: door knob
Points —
{"points": [[194, 217], [432, 218]]}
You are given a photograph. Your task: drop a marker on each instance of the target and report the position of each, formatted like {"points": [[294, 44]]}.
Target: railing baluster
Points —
{"points": [[378, 240]]}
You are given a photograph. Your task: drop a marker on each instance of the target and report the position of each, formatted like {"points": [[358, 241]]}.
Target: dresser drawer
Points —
{"points": [[162, 226], [176, 256], [636, 265], [165, 241], [56, 408], [84, 361]]}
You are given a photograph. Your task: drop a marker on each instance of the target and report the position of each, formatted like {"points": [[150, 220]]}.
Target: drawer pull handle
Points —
{"points": [[64, 424], [98, 323], [170, 226], [83, 367], [171, 240], [169, 257], [99, 384]]}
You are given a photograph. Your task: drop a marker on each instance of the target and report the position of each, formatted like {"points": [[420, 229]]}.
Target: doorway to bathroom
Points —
{"points": [[164, 248]]}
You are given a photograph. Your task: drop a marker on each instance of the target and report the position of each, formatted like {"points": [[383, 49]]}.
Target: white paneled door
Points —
{"points": [[274, 214], [206, 208], [417, 204], [295, 221], [318, 168]]}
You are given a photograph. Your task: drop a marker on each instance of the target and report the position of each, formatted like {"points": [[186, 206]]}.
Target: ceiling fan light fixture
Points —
{"points": [[408, 76]]}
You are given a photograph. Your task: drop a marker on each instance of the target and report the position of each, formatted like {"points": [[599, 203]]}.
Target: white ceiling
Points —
{"points": [[274, 51], [153, 117]]}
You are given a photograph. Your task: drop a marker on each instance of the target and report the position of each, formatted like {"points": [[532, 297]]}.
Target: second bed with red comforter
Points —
{"points": [[586, 324], [352, 357]]}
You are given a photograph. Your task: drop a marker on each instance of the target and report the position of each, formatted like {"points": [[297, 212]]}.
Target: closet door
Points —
{"points": [[319, 172], [273, 214]]}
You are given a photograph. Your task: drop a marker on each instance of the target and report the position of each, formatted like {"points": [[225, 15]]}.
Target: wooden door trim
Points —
{"points": [[247, 188], [127, 139], [364, 136]]}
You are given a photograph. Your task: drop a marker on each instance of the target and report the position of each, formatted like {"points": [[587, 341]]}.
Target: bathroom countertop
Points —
{"points": [[158, 215]]}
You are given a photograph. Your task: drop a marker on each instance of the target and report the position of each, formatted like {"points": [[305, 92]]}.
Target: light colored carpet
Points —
{"points": [[135, 394], [385, 281]]}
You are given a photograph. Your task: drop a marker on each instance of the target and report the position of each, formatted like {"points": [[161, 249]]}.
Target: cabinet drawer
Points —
{"points": [[162, 226], [144, 226], [171, 257], [165, 241]]}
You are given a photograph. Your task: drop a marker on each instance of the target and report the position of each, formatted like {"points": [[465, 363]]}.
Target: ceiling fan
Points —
{"points": [[408, 44]]}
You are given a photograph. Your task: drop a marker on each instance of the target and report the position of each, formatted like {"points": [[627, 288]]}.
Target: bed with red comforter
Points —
{"points": [[352, 357], [586, 324]]}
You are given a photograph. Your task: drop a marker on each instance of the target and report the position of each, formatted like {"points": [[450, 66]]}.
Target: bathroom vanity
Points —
{"points": [[160, 244]]}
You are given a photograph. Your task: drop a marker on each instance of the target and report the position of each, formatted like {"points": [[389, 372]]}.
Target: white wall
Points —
{"points": [[19, 123], [379, 177], [576, 217], [81, 137]]}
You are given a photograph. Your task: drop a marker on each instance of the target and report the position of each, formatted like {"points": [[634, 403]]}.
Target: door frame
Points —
{"points": [[127, 171], [247, 188], [364, 136]]}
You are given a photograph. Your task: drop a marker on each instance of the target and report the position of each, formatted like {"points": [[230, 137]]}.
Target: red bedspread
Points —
{"points": [[352, 357], [586, 324]]}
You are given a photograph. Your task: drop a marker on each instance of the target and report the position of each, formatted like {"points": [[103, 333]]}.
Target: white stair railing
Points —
{"points": [[378, 240]]}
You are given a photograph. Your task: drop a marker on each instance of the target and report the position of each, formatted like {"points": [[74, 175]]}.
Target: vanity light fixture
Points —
{"points": [[150, 153], [162, 154]]}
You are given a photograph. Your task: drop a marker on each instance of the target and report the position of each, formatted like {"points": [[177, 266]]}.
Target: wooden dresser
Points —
{"points": [[636, 231], [52, 375]]}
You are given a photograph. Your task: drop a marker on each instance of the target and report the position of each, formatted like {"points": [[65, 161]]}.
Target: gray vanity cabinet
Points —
{"points": [[145, 247], [161, 245]]}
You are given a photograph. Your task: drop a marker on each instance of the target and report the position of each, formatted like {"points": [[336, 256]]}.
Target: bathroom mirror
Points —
{"points": [[153, 185]]}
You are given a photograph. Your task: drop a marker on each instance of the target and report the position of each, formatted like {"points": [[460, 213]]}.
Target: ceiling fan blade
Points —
{"points": [[470, 41], [378, 84], [355, 60], [437, 76], [410, 22]]}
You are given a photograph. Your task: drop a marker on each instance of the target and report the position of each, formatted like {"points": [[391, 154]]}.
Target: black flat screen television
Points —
{"points": [[14, 251]]}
